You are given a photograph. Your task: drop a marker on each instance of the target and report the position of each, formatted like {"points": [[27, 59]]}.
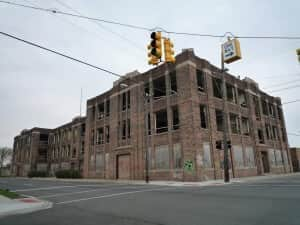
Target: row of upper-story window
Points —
{"points": [[65, 152], [67, 135]]}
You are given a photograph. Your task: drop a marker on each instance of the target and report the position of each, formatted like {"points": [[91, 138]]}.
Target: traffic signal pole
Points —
{"points": [[225, 121]]}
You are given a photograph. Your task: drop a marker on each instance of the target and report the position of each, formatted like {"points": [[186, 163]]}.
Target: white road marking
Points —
{"points": [[58, 187], [112, 195], [80, 192]]}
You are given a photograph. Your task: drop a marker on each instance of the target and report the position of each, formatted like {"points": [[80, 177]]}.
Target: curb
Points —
{"points": [[40, 205]]}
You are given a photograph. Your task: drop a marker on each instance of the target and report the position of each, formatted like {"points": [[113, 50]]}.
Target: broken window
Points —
{"points": [[279, 111], [124, 129], [217, 87], [128, 99], [82, 131], [260, 136], [175, 118], [43, 137], [268, 132], [173, 82], [206, 155], [256, 107], [219, 119], [92, 162], [274, 130], [107, 112], [242, 98], [74, 153], [93, 112], [264, 107], [100, 110], [271, 110], [231, 96], [161, 124], [272, 157], [283, 135], [200, 80], [82, 147], [203, 116], [245, 126], [100, 137], [162, 156], [159, 86], [234, 123], [149, 124], [177, 156], [107, 134], [124, 101], [128, 129], [147, 89], [278, 157]]}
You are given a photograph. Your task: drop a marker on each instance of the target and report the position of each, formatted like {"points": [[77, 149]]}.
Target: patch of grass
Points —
{"points": [[9, 194]]}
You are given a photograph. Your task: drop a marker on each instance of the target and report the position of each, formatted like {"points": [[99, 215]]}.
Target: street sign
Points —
{"points": [[231, 51], [188, 165]]}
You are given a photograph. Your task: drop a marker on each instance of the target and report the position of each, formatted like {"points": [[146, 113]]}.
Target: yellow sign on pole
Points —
{"points": [[231, 51], [298, 54]]}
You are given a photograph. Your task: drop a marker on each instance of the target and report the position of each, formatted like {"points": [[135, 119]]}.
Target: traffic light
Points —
{"points": [[298, 54], [154, 48], [168, 49]]}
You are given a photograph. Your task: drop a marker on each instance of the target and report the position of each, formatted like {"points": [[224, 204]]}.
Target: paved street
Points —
{"points": [[273, 201]]}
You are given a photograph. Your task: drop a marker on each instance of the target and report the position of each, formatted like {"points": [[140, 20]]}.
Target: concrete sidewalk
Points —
{"points": [[174, 183], [21, 205]]}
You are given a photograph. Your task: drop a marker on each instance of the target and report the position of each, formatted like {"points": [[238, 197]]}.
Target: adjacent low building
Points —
{"points": [[295, 155], [168, 121]]}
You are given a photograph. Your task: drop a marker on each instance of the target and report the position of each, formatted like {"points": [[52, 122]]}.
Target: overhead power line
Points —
{"points": [[293, 134], [61, 54], [283, 84], [294, 101], [286, 88], [148, 28]]}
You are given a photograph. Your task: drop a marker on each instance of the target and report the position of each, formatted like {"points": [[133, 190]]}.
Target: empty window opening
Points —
{"points": [[100, 110], [217, 87], [149, 124], [203, 116], [268, 132], [100, 138], [260, 136], [107, 112], [175, 118], [245, 126], [124, 101], [219, 120], [159, 86], [231, 96], [161, 123], [264, 107], [44, 137], [128, 99], [74, 153], [275, 135], [200, 80], [124, 129], [271, 110], [177, 156], [234, 123], [256, 107], [107, 134], [128, 129], [173, 82], [242, 98], [279, 111]]}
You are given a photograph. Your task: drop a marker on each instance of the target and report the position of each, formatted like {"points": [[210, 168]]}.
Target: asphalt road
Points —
{"points": [[272, 201]]}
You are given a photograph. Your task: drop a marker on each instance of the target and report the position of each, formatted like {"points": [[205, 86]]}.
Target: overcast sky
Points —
{"points": [[38, 88]]}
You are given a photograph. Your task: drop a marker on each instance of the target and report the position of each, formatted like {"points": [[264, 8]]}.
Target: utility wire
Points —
{"points": [[293, 134], [283, 84], [147, 28], [286, 88], [61, 54], [294, 101], [101, 26]]}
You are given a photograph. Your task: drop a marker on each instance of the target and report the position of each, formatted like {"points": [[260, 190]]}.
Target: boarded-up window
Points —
{"points": [[238, 156], [162, 157], [249, 157], [272, 157], [285, 158], [177, 156], [99, 162], [92, 162], [206, 155], [278, 157]]}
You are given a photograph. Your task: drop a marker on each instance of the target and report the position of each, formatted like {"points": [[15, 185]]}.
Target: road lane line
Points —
{"points": [[58, 187], [112, 195], [79, 192]]}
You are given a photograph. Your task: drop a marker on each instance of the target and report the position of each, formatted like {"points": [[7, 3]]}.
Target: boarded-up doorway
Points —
{"points": [[123, 167]]}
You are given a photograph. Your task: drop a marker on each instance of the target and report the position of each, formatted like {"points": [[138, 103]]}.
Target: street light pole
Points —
{"points": [[147, 142], [225, 121]]}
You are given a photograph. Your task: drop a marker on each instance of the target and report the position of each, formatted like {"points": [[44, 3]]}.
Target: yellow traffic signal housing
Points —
{"points": [[298, 54], [169, 52], [155, 48]]}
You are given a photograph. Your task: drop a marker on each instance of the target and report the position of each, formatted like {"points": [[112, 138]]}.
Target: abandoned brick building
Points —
{"points": [[66, 146], [174, 111], [30, 151], [49, 150]]}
